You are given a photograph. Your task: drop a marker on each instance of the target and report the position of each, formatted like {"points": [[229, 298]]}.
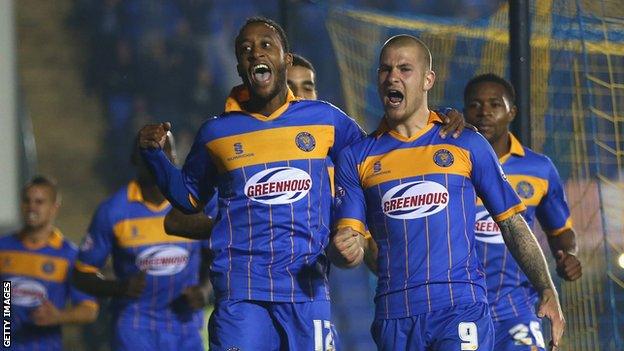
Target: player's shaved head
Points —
{"points": [[404, 40]]}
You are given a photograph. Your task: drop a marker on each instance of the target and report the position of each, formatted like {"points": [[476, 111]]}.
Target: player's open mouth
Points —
{"points": [[261, 73], [394, 97]]}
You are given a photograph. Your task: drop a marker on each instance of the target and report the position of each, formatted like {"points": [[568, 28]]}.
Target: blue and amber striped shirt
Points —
{"points": [[417, 197], [271, 172], [536, 181], [38, 274], [132, 232]]}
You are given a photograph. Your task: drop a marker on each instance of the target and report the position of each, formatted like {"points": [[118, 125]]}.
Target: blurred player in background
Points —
{"points": [[160, 290], [416, 192], [38, 262], [301, 78], [489, 102]]}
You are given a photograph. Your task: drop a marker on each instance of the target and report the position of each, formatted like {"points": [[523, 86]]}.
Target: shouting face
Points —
{"points": [[403, 79], [262, 62]]}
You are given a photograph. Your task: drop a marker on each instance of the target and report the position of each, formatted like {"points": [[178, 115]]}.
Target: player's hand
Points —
{"points": [[550, 308], [153, 136], [453, 123], [568, 266], [133, 287], [347, 248], [46, 314], [197, 296]]}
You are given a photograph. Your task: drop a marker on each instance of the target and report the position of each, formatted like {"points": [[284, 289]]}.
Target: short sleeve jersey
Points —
{"points": [[37, 274], [417, 197], [536, 181], [131, 231]]}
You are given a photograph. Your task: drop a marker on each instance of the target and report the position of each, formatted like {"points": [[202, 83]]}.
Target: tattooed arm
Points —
{"points": [[524, 248]]}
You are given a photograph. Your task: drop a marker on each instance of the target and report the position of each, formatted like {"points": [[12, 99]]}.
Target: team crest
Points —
{"points": [[48, 267], [305, 141], [443, 158], [525, 190]]}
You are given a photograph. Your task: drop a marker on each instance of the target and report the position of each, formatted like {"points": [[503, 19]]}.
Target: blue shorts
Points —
{"points": [[128, 339], [462, 327], [259, 325], [523, 333]]}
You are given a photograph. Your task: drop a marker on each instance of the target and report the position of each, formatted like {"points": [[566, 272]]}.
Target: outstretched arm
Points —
{"points": [[192, 226], [171, 181], [95, 284], [525, 249]]}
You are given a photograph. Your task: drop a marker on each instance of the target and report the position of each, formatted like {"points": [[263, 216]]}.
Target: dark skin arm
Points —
{"points": [[95, 284], [194, 226], [564, 249], [454, 123], [525, 249]]}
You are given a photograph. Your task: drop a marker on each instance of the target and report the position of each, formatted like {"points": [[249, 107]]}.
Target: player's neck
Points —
{"points": [[36, 236], [413, 124], [502, 145], [266, 107]]}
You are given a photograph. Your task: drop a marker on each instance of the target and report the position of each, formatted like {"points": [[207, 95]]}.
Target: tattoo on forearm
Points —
{"points": [[524, 248]]}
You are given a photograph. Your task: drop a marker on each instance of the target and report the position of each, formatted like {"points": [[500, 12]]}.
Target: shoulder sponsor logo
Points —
{"points": [[415, 200], [278, 186], [27, 292], [163, 260], [377, 167], [486, 230], [238, 148]]}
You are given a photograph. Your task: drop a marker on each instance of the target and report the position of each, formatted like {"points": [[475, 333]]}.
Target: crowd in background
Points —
{"points": [[156, 60]]}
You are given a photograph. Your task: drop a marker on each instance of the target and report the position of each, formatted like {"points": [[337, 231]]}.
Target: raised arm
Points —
{"points": [[185, 189]]}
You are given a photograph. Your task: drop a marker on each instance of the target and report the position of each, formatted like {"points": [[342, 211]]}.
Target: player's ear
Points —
{"points": [[430, 77], [288, 59]]}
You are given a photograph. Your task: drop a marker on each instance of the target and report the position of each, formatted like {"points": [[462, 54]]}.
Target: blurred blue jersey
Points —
{"points": [[38, 274], [132, 231], [536, 181]]}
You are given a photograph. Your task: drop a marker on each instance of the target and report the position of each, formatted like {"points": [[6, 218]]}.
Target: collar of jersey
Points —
{"points": [[55, 241], [383, 128], [135, 195], [515, 149], [240, 94]]}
